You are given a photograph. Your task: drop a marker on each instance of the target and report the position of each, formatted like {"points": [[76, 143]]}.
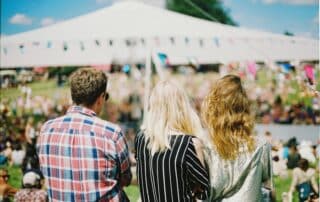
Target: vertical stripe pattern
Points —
{"points": [[171, 175]]}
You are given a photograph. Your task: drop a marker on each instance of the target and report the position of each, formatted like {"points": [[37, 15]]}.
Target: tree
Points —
{"points": [[287, 33], [212, 10]]}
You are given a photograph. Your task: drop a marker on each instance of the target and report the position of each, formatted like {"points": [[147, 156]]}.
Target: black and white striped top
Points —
{"points": [[173, 175]]}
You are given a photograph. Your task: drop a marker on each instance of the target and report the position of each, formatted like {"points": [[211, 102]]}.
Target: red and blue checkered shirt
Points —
{"points": [[83, 158]]}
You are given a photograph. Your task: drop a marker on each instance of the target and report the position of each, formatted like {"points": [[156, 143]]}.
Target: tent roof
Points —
{"points": [[130, 19], [133, 19]]}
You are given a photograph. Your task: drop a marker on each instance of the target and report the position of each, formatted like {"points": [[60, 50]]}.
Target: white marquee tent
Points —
{"points": [[129, 31]]}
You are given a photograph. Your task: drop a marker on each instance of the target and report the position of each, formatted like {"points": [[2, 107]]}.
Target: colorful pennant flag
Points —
{"points": [[216, 41], [82, 46], [186, 40], [21, 47], [65, 46], [163, 59], [97, 42], [36, 43], [49, 44]]}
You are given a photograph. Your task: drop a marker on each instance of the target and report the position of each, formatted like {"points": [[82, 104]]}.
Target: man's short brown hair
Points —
{"points": [[87, 84]]}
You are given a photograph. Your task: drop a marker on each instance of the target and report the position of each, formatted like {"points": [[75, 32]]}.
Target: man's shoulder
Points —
{"points": [[111, 128], [52, 121], [296, 171]]}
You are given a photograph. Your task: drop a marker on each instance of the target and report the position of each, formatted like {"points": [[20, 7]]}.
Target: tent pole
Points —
{"points": [[157, 65], [147, 83]]}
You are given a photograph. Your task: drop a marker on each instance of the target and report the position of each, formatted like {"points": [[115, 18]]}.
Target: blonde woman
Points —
{"points": [[240, 164], [169, 159]]}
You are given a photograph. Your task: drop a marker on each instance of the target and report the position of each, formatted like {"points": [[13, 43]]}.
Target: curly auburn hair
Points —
{"points": [[87, 84], [226, 113]]}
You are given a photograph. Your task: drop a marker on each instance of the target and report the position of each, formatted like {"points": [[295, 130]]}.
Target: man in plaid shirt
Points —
{"points": [[83, 157]]}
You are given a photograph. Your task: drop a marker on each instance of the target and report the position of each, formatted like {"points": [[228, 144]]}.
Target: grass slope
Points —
{"points": [[282, 185]]}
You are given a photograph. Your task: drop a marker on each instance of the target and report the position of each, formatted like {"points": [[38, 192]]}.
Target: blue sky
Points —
{"points": [[298, 16]]}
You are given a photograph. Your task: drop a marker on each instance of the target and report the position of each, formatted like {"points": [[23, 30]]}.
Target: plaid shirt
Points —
{"points": [[83, 158]]}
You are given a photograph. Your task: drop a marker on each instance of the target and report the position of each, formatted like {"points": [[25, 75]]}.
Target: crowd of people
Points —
{"points": [[23, 118], [295, 156]]}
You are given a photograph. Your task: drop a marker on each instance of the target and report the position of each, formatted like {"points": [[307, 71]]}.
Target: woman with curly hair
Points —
{"points": [[240, 163]]}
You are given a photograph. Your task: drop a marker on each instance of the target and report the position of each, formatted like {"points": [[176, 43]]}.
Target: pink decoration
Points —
{"points": [[252, 68], [308, 69]]}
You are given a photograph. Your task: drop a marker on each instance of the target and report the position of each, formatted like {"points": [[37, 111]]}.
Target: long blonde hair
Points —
{"points": [[226, 113], [169, 110]]}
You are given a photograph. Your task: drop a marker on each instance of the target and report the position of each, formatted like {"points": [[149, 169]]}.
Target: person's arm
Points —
{"points": [[27, 131], [198, 174], [124, 160], [11, 191], [294, 181], [267, 172], [314, 184]]}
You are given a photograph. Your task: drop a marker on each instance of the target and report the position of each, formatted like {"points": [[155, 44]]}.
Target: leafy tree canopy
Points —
{"points": [[287, 33], [212, 10]]}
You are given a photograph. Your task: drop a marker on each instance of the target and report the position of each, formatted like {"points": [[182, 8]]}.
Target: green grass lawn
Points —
{"points": [[132, 192], [42, 88], [16, 178], [282, 185]]}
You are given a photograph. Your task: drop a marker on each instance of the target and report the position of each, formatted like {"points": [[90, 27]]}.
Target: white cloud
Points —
{"points": [[297, 2], [47, 21], [20, 19]]}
